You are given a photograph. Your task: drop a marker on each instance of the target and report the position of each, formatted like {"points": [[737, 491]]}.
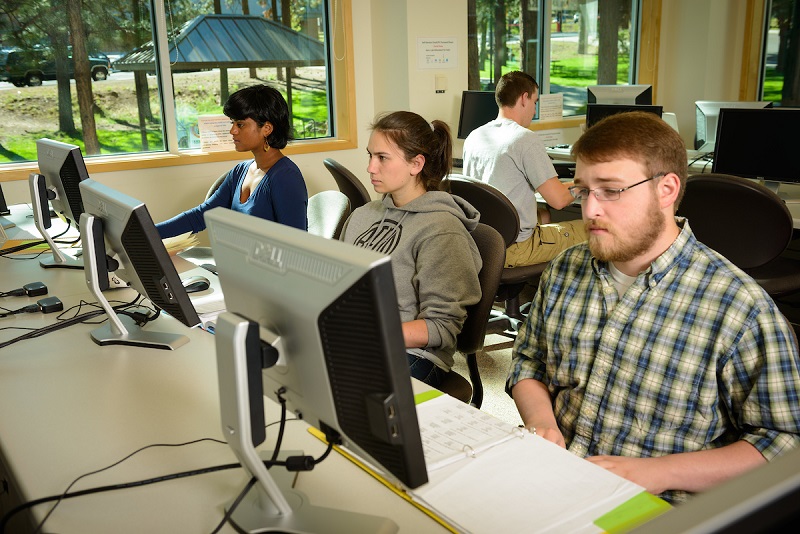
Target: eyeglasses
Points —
{"points": [[606, 193]]}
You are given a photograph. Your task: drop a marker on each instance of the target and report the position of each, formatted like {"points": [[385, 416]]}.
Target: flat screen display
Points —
{"points": [[758, 143], [477, 108]]}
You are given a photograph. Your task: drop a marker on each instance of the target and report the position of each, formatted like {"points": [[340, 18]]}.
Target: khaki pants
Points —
{"points": [[545, 243]]}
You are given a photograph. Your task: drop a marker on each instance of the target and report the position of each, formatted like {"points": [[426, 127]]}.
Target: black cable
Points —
{"points": [[113, 487], [65, 323], [235, 504]]}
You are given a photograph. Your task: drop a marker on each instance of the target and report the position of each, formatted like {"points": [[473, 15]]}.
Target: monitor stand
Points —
{"points": [[39, 201], [273, 505], [119, 329]]}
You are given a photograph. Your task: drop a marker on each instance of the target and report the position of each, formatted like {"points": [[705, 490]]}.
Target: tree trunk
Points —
{"points": [[608, 49], [528, 46], [66, 122], [83, 77], [791, 76], [499, 39], [473, 66]]}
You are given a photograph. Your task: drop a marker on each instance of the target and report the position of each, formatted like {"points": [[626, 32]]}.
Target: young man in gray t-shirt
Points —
{"points": [[509, 156]]}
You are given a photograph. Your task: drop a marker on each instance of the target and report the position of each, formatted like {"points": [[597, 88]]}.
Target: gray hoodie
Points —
{"points": [[434, 261]]}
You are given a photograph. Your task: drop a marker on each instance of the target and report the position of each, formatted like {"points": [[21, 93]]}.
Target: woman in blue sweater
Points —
{"points": [[270, 185]]}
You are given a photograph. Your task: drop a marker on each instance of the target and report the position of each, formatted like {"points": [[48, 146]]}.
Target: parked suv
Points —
{"points": [[31, 67]]}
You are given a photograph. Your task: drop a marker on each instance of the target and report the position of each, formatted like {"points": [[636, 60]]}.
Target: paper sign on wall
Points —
{"points": [[437, 53]]}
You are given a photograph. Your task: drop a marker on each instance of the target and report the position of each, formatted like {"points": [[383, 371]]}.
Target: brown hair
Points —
{"points": [[512, 85], [638, 136], [414, 135]]}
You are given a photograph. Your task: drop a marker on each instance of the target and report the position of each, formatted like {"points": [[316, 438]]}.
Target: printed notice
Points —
{"points": [[551, 106], [437, 53], [215, 133]]}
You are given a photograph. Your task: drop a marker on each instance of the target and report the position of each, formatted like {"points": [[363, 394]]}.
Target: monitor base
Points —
{"points": [[68, 262], [255, 513], [135, 336]]}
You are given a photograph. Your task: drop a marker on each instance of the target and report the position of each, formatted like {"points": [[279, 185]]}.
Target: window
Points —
{"points": [[566, 45], [125, 102], [780, 79]]}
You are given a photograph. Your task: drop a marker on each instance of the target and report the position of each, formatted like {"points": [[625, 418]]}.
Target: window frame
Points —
{"points": [[342, 71], [646, 63]]}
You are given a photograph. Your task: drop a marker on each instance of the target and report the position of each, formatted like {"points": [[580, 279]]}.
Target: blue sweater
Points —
{"points": [[280, 196]]}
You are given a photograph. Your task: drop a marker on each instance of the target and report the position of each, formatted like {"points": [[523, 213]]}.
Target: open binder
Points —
{"points": [[490, 476]]}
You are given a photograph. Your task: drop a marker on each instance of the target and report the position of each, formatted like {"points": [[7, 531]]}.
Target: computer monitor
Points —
{"points": [[764, 500], [706, 118], [758, 143], [330, 310], [477, 108], [62, 169], [597, 112], [119, 236], [3, 206], [619, 94]]}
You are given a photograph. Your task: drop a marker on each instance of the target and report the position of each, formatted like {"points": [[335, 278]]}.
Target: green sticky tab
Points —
{"points": [[419, 398], [632, 513]]}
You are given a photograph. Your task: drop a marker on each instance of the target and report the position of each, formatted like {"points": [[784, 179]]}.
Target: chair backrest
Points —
{"points": [[492, 249], [216, 184], [327, 212], [739, 218], [347, 183], [495, 208]]}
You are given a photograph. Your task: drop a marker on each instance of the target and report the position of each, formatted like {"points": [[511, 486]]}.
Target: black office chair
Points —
{"points": [[499, 213], [471, 338], [327, 211], [348, 183], [747, 223]]}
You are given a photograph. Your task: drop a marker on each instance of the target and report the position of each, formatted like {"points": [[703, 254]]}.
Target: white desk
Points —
{"points": [[70, 407]]}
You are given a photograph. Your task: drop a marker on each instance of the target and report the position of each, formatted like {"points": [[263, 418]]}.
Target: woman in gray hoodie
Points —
{"points": [[427, 234]]}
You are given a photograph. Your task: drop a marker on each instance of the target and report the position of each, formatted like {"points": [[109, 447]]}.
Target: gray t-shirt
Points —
{"points": [[514, 160]]}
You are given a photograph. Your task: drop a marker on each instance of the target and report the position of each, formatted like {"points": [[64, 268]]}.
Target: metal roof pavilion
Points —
{"points": [[230, 41]]}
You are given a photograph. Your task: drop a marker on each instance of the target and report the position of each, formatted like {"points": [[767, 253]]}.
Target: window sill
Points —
{"points": [[99, 164]]}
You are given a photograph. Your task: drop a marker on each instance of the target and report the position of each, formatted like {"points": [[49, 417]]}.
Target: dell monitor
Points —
{"points": [[758, 143], [620, 94], [597, 112], [62, 169], [706, 118], [477, 108], [328, 310], [119, 236]]}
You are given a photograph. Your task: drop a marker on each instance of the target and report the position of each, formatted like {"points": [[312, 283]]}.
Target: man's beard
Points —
{"points": [[617, 248]]}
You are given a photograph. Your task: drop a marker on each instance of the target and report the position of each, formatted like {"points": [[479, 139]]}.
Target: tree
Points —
{"points": [[499, 39], [83, 77], [791, 75], [608, 48], [473, 66]]}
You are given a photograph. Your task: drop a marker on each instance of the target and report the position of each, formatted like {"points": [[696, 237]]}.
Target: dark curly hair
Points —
{"points": [[263, 104]]}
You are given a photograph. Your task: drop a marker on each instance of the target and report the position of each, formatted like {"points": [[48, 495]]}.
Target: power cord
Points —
{"points": [[46, 305], [113, 487], [34, 289]]}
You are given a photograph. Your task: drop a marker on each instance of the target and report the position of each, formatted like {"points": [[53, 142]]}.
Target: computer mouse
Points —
{"points": [[194, 284]]}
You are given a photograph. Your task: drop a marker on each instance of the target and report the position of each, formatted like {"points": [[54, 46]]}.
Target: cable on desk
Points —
{"points": [[113, 487], [68, 322]]}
